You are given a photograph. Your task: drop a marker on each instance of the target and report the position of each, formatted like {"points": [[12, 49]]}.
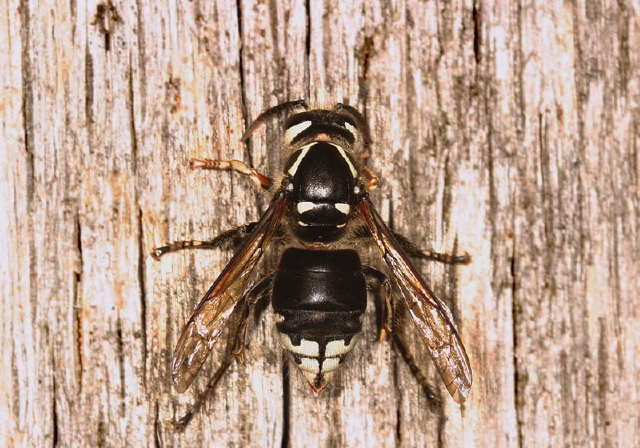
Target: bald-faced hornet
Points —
{"points": [[319, 206]]}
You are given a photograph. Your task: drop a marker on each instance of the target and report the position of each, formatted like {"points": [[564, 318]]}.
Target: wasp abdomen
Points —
{"points": [[319, 297], [318, 358]]}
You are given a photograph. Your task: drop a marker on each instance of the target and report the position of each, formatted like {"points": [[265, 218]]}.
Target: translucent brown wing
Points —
{"points": [[208, 320], [432, 317]]}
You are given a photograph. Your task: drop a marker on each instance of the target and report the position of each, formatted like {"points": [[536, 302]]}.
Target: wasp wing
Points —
{"points": [[432, 317], [208, 320]]}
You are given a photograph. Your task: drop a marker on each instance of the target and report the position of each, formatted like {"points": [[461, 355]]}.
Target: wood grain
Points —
{"points": [[509, 130]]}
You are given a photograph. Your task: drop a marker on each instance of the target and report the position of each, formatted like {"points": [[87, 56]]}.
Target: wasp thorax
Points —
{"points": [[323, 179]]}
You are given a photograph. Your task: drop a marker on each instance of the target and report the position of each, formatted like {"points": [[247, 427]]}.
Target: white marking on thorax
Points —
{"points": [[304, 206], [352, 168], [305, 149], [303, 152]]}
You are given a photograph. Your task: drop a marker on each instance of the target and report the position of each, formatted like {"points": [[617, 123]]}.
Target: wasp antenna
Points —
{"points": [[361, 122], [264, 116], [318, 291]]}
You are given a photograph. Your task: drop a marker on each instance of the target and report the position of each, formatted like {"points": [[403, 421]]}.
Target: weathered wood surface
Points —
{"points": [[506, 129]]}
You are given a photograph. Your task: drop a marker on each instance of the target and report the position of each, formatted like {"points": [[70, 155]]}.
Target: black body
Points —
{"points": [[324, 121], [319, 297], [319, 290], [320, 175], [328, 285]]}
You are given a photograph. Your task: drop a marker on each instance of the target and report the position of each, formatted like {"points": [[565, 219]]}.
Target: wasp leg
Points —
{"points": [[181, 424], [259, 292], [415, 252], [369, 178], [400, 346], [380, 286], [239, 322], [392, 322], [239, 232], [260, 180], [236, 165]]}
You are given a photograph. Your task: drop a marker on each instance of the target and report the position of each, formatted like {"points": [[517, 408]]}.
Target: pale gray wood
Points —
{"points": [[576, 228], [509, 130]]}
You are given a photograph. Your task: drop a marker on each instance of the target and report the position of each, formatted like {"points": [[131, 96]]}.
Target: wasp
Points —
{"points": [[319, 205]]}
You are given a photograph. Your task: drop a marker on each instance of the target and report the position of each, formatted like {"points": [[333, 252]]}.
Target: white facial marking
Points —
{"points": [[303, 224], [352, 129], [295, 130], [306, 348], [330, 364], [336, 348], [305, 206], [343, 208], [296, 164], [309, 365]]}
